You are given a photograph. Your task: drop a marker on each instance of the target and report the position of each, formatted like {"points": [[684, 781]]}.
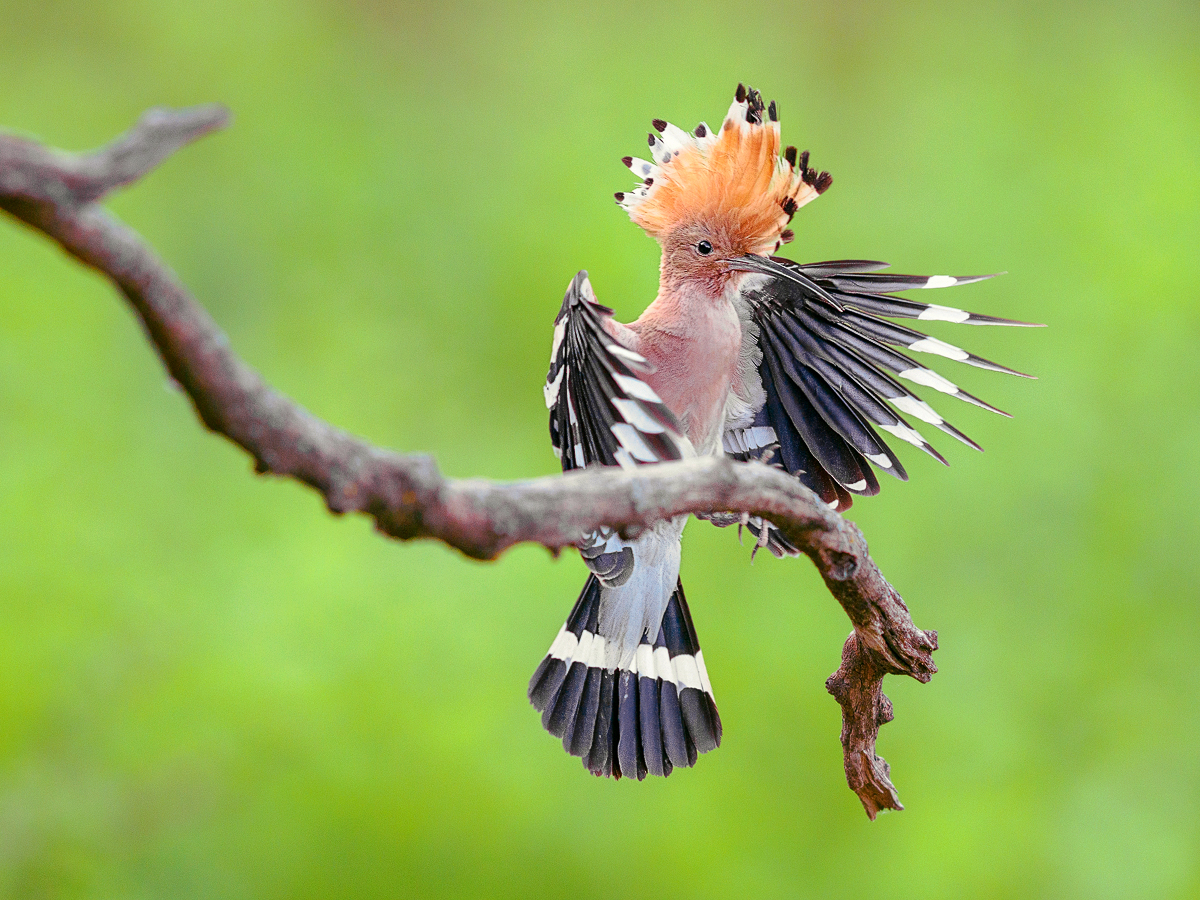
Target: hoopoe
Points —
{"points": [[742, 353]]}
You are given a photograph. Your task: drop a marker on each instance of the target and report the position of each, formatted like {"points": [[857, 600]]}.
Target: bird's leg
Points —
{"points": [[764, 537]]}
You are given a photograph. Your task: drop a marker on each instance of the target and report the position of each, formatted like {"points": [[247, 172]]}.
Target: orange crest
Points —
{"points": [[735, 176]]}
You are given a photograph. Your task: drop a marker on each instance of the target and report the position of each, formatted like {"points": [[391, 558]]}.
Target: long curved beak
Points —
{"points": [[765, 265]]}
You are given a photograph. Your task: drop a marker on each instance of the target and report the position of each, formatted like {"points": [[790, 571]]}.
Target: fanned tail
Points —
{"points": [[647, 718]]}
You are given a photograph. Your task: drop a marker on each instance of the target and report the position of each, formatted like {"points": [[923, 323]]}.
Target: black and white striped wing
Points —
{"points": [[830, 370], [601, 411]]}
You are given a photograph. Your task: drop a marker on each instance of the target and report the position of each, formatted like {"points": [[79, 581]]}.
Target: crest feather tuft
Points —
{"points": [[734, 175]]}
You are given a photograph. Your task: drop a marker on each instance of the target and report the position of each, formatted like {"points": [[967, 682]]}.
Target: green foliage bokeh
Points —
{"points": [[209, 687]]}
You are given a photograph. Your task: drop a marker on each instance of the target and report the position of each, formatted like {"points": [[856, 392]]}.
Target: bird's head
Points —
{"points": [[719, 202]]}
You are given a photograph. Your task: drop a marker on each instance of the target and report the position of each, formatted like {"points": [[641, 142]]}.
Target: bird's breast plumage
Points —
{"points": [[693, 343]]}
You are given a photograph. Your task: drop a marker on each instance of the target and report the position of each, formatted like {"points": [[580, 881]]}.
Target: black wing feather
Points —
{"points": [[834, 426], [831, 451], [848, 336], [839, 267], [898, 335], [901, 308], [601, 410], [886, 284], [840, 414], [797, 459]]}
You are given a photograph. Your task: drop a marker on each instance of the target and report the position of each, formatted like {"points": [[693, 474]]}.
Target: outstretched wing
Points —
{"points": [[601, 411], [829, 372]]}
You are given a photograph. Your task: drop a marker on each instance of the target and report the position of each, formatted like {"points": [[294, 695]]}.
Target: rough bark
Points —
{"points": [[57, 193]]}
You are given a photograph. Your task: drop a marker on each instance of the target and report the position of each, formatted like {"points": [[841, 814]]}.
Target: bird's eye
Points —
{"points": [[704, 248]]}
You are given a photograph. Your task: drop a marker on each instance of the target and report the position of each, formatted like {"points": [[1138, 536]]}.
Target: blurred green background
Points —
{"points": [[209, 687]]}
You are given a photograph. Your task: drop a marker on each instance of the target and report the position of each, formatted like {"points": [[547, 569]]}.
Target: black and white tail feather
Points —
{"points": [[624, 684], [648, 715], [829, 374]]}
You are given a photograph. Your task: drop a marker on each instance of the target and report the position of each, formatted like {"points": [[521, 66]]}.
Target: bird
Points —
{"points": [[741, 353]]}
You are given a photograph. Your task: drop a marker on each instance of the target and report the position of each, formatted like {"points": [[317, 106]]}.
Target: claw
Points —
{"points": [[764, 537]]}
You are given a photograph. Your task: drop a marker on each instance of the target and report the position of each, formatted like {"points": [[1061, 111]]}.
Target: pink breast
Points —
{"points": [[695, 364]]}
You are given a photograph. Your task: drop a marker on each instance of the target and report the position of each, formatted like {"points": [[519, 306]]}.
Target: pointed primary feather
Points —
{"points": [[840, 266], [845, 333], [902, 308], [886, 284], [890, 333]]}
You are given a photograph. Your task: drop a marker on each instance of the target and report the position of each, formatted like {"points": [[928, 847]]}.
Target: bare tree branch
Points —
{"points": [[29, 170], [56, 193]]}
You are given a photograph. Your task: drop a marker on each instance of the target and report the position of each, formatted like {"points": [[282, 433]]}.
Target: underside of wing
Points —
{"points": [[601, 411], [830, 370]]}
